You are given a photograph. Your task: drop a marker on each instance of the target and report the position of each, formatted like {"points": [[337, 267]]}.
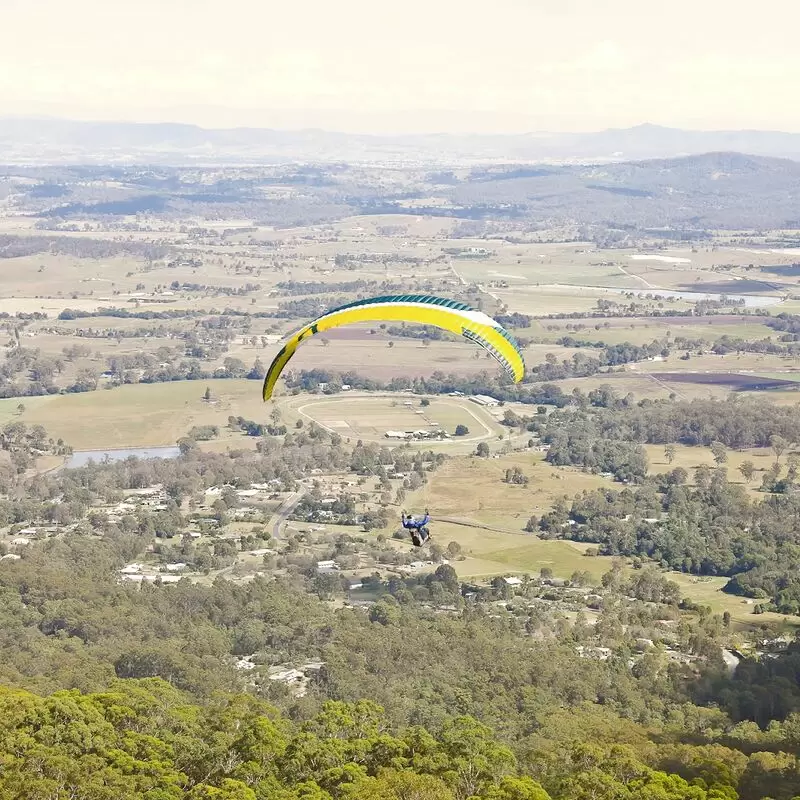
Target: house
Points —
{"points": [[176, 567], [20, 540], [513, 581], [327, 566], [15, 557]]}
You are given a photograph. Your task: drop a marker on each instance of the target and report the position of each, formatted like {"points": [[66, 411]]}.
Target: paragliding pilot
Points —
{"points": [[418, 527]]}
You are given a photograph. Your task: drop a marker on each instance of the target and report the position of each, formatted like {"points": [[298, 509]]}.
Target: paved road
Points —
{"points": [[286, 507]]}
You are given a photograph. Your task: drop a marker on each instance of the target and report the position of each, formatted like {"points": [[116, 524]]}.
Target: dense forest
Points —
{"points": [[146, 739], [434, 688], [469, 705], [434, 694]]}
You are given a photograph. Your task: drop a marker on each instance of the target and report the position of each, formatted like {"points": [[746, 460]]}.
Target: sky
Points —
{"points": [[481, 66]]}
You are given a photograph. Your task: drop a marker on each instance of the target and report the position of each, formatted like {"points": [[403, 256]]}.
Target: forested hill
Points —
{"points": [[144, 739], [713, 190], [691, 195]]}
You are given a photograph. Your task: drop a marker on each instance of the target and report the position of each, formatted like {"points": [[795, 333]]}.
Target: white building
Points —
{"points": [[484, 400]]}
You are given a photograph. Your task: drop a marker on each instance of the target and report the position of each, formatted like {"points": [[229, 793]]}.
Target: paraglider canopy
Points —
{"points": [[424, 309]]}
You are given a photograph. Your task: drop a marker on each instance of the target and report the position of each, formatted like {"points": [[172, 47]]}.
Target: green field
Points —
{"points": [[471, 490], [708, 591], [490, 553]]}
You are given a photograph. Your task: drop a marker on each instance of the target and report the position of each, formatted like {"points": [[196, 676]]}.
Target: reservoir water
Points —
{"points": [[80, 458], [749, 300]]}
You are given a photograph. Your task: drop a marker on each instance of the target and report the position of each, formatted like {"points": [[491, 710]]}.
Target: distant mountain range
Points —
{"points": [[56, 141], [685, 194]]}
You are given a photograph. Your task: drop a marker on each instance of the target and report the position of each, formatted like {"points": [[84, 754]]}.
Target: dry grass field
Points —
{"points": [[532, 278], [159, 414], [691, 457], [141, 414], [473, 488], [371, 355], [368, 418], [645, 330]]}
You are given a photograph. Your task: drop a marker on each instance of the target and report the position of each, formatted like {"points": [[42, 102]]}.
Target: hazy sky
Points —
{"points": [[415, 65]]}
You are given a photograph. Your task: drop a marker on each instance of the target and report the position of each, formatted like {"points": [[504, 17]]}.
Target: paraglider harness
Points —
{"points": [[419, 530]]}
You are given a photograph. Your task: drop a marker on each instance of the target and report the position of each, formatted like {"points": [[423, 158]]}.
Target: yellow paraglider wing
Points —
{"points": [[424, 309]]}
